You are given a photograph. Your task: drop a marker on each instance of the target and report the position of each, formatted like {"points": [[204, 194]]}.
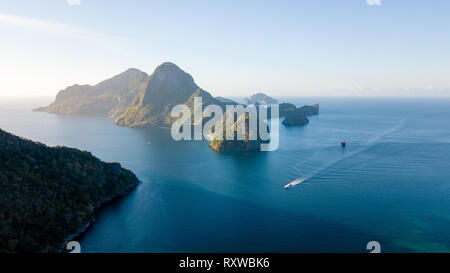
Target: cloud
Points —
{"points": [[64, 32], [43, 25], [373, 2], [73, 2], [55, 28]]}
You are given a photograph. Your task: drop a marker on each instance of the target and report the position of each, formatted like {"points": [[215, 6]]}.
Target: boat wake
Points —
{"points": [[294, 183], [328, 165]]}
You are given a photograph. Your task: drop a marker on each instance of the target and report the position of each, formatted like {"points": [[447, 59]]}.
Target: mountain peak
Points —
{"points": [[168, 68], [129, 72], [168, 64], [133, 70], [170, 77]]}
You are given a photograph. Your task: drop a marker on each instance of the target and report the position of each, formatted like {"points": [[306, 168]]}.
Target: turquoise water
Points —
{"points": [[391, 184]]}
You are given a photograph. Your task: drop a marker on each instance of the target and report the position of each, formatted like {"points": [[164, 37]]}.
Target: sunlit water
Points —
{"points": [[391, 184]]}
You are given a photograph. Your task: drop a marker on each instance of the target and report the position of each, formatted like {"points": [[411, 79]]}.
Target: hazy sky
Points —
{"points": [[334, 47]]}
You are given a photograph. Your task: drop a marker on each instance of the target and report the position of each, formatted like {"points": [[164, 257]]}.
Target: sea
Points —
{"points": [[391, 184]]}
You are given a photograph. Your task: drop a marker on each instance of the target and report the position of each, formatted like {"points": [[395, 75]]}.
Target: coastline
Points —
{"points": [[98, 206]]}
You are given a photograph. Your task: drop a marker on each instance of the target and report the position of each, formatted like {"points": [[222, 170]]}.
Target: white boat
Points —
{"points": [[294, 183]]}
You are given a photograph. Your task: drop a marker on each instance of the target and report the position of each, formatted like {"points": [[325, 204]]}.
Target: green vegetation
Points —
{"points": [[285, 108], [110, 97], [246, 145], [166, 87], [138, 100], [298, 117], [47, 194], [133, 98], [295, 119]]}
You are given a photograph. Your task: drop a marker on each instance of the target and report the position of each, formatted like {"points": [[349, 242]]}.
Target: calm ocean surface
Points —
{"points": [[391, 184]]}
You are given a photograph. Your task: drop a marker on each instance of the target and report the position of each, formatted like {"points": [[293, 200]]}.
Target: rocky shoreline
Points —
{"points": [[98, 206], [54, 190]]}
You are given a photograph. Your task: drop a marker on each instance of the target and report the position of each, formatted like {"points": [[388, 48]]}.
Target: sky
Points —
{"points": [[282, 48]]}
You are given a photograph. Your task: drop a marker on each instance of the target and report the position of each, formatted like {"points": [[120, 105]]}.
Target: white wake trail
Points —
{"points": [[370, 144]]}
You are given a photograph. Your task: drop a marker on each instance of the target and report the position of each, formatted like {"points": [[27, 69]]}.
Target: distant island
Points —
{"points": [[138, 100], [298, 117], [261, 98], [49, 195]]}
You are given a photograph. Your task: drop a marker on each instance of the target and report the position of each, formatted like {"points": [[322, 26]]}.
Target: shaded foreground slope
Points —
{"points": [[47, 194]]}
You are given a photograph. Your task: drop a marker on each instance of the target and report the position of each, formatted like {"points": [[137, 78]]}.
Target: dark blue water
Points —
{"points": [[391, 184]]}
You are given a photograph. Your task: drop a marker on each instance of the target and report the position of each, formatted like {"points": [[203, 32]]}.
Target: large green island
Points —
{"points": [[48, 195], [138, 100]]}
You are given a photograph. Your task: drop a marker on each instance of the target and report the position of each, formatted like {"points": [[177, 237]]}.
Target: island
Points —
{"points": [[49, 195], [261, 98], [246, 145], [298, 117], [137, 100], [309, 110], [108, 98], [295, 118], [133, 98]]}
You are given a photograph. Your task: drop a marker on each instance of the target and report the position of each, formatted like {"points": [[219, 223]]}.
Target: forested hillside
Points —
{"points": [[47, 194]]}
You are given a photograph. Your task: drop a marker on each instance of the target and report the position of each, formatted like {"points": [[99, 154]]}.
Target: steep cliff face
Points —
{"points": [[47, 194], [167, 87], [248, 144]]}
